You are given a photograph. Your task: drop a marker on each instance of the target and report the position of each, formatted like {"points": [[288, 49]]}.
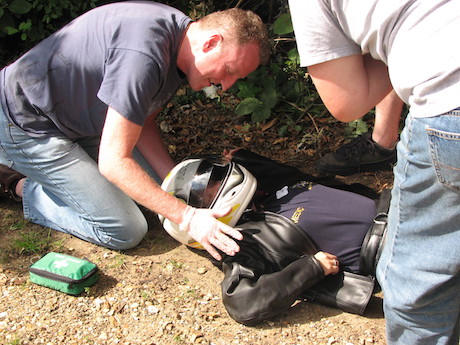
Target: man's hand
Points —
{"points": [[203, 226]]}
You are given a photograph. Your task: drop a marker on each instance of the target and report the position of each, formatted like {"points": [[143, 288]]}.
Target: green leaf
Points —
{"points": [[246, 89], [361, 126], [269, 97], [356, 128], [261, 114], [247, 106], [24, 26], [267, 82], [20, 6], [10, 30], [283, 25], [293, 56]]}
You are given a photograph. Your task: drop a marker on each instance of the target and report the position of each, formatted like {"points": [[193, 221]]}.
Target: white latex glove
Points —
{"points": [[202, 225]]}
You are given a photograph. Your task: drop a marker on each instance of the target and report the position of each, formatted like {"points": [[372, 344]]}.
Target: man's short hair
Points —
{"points": [[245, 26]]}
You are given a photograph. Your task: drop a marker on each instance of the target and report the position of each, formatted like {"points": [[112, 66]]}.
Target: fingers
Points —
{"points": [[329, 262], [228, 154], [211, 250], [334, 265], [224, 227], [220, 241], [230, 231], [224, 243], [215, 234]]}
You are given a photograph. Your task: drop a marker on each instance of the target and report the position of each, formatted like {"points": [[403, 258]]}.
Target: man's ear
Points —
{"points": [[213, 41]]}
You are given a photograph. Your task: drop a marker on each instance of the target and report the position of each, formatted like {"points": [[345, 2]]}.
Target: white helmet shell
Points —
{"points": [[202, 184]]}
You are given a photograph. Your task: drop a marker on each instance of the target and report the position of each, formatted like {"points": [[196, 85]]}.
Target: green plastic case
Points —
{"points": [[64, 273]]}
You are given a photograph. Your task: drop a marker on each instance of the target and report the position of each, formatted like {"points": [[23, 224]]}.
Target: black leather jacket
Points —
{"points": [[275, 265]]}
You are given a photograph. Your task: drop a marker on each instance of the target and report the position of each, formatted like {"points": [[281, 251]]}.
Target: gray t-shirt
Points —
{"points": [[415, 38], [121, 55]]}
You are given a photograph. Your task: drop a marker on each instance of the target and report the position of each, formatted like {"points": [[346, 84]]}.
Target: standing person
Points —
{"points": [[412, 48], [369, 151], [78, 117]]}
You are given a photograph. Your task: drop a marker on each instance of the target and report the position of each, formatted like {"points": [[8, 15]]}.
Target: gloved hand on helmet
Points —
{"points": [[203, 226]]}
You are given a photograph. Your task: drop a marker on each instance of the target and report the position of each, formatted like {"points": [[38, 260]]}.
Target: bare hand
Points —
{"points": [[228, 154], [328, 261], [203, 226]]}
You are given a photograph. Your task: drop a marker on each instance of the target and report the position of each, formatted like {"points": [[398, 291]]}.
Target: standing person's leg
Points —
{"points": [[419, 269], [64, 190], [368, 152], [387, 118]]}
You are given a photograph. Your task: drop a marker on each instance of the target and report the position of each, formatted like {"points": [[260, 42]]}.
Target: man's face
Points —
{"points": [[223, 65]]}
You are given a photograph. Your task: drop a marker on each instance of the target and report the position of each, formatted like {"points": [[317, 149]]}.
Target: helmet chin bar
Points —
{"points": [[203, 184], [237, 193]]}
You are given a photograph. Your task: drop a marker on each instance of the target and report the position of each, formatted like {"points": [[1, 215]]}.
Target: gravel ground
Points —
{"points": [[157, 293]]}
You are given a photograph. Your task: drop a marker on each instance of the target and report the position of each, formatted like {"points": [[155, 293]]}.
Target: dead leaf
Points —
{"points": [[268, 125]]}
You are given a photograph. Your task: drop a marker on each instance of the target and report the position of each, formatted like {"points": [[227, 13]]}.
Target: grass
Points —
{"points": [[20, 237], [35, 242]]}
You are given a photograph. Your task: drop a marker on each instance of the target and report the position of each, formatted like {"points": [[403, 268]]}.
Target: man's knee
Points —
{"points": [[128, 235]]}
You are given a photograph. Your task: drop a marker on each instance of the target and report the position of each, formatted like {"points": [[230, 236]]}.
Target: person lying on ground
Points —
{"points": [[303, 237]]}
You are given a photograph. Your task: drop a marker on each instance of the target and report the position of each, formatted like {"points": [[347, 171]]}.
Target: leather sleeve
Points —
{"points": [[251, 297]]}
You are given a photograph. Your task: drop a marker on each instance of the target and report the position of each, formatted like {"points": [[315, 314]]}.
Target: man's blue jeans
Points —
{"points": [[420, 264], [65, 191]]}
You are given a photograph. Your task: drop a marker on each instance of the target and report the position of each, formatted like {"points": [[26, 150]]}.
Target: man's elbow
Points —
{"points": [[106, 169]]}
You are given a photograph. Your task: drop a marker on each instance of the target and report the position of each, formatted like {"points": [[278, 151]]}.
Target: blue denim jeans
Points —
{"points": [[65, 191], [420, 265]]}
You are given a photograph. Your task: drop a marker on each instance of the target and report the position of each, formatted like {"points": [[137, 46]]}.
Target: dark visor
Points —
{"points": [[206, 184]]}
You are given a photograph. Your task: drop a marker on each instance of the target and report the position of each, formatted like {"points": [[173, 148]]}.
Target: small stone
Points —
{"points": [[134, 306], [196, 338], [202, 270], [153, 309], [331, 341]]}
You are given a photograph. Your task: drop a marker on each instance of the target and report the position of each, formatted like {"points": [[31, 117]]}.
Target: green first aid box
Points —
{"points": [[64, 273]]}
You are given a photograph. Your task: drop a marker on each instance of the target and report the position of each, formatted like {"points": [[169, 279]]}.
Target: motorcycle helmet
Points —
{"points": [[203, 184]]}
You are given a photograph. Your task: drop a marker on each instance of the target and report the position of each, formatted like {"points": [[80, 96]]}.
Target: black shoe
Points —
{"points": [[9, 178], [359, 155]]}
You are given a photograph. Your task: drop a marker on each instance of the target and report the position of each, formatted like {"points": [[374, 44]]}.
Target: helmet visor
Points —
{"points": [[206, 184]]}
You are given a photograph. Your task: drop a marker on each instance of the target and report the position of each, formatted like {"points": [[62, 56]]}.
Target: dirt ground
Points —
{"points": [[162, 292]]}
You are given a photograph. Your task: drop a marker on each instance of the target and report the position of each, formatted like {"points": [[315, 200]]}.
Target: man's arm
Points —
{"points": [[116, 163], [152, 147], [351, 86]]}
